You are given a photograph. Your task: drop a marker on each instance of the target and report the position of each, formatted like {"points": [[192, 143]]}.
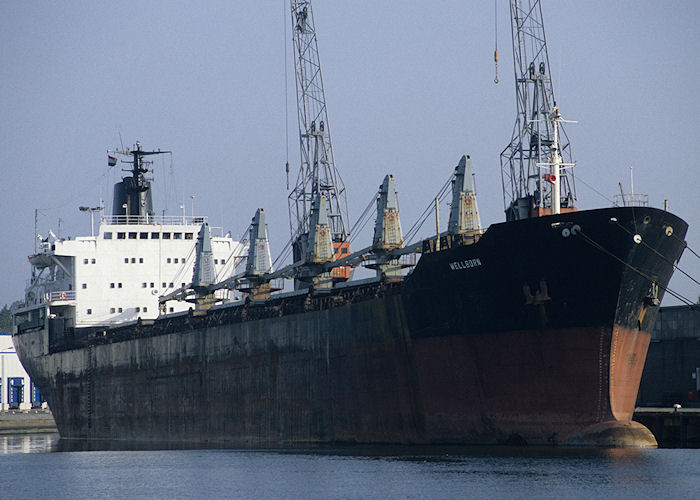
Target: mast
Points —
{"points": [[132, 196], [534, 177], [318, 174]]}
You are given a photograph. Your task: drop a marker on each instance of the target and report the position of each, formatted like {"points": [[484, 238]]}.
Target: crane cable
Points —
{"points": [[495, 52], [413, 231], [286, 98]]}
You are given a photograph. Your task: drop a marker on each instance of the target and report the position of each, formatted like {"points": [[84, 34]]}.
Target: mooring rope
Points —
{"points": [[675, 266], [600, 247]]}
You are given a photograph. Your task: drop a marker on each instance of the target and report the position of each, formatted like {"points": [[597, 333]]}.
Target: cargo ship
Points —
{"points": [[533, 331]]}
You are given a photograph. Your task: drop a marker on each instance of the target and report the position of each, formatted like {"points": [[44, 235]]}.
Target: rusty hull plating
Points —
{"points": [[530, 335]]}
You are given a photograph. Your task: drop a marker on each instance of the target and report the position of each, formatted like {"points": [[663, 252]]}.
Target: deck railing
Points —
{"points": [[172, 220], [60, 295], [631, 200]]}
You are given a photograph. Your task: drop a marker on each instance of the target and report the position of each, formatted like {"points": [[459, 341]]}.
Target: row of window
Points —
{"points": [[152, 285], [169, 260], [143, 285], [108, 235], [175, 260], [113, 310]]}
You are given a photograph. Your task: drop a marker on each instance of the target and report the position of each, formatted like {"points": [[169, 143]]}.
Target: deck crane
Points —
{"points": [[318, 177], [536, 167]]}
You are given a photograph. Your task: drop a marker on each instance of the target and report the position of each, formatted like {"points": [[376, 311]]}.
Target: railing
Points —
{"points": [[60, 295], [631, 200], [172, 220], [33, 299]]}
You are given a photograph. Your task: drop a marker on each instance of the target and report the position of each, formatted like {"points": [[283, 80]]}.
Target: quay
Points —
{"points": [[26, 422], [672, 427]]}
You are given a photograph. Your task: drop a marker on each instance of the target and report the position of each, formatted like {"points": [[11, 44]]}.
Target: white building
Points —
{"points": [[16, 389]]}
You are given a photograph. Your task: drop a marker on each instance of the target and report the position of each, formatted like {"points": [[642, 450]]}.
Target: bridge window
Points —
{"points": [[121, 236], [143, 236], [108, 235], [188, 236], [132, 236], [177, 236], [155, 236]]}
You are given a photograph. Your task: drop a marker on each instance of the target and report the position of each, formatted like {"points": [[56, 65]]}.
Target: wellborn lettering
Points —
{"points": [[465, 264]]}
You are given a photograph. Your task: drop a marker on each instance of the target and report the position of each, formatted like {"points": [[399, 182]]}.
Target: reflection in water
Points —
{"points": [[76, 469], [28, 443], [445, 454]]}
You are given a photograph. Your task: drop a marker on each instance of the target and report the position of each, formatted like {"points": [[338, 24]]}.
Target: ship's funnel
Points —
{"points": [[464, 215], [132, 198]]}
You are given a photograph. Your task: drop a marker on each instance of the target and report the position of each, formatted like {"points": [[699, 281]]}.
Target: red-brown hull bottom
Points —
{"points": [[538, 386]]}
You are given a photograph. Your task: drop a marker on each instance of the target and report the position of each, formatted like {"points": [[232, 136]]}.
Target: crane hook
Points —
{"points": [[495, 60]]}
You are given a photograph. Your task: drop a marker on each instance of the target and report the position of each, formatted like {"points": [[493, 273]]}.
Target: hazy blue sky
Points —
{"points": [[409, 87]]}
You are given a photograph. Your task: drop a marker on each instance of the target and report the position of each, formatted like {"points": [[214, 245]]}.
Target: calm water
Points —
{"points": [[35, 467]]}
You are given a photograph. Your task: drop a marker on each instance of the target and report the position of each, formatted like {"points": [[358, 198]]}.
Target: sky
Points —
{"points": [[409, 90]]}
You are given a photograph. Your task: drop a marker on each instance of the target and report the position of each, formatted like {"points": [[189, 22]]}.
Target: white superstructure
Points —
{"points": [[118, 274]]}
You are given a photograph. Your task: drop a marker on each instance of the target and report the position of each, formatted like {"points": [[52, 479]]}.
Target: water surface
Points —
{"points": [[37, 466]]}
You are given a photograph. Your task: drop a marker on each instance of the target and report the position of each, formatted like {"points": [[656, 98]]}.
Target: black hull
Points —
{"points": [[528, 335]]}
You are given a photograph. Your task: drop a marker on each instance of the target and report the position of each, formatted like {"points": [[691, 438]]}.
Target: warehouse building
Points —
{"points": [[17, 392], [672, 370]]}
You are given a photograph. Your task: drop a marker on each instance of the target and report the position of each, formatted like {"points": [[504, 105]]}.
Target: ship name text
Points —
{"points": [[465, 264]]}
